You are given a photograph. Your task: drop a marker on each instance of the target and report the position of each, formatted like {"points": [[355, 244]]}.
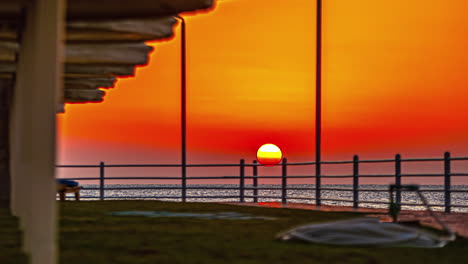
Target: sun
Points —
{"points": [[269, 154]]}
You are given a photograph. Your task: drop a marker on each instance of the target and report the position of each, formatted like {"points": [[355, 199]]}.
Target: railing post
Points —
{"points": [[242, 181], [183, 190], [284, 182], [356, 181], [318, 179], [447, 183], [398, 179], [101, 180], [255, 181]]}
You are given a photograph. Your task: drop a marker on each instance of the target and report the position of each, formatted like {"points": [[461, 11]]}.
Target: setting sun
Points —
{"points": [[269, 155]]}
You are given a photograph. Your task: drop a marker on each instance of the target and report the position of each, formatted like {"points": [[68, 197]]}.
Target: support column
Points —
{"points": [[38, 82]]}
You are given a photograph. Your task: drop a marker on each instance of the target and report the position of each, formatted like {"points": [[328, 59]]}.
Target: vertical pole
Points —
{"points": [[447, 183], [356, 181], [101, 180], [284, 182], [183, 95], [242, 181], [255, 181], [318, 104], [398, 179]]}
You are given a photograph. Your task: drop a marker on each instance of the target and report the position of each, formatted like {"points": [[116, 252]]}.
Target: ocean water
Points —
{"points": [[230, 193]]}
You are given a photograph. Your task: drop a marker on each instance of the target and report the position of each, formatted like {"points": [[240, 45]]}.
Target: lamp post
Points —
{"points": [[318, 104], [183, 110]]}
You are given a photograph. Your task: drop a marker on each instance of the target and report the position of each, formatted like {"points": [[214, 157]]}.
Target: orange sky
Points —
{"points": [[394, 80]]}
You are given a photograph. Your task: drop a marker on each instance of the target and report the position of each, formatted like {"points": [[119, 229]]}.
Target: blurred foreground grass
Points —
{"points": [[90, 235], [10, 239]]}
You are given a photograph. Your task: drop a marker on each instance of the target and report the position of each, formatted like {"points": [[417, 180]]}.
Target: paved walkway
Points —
{"points": [[458, 222]]}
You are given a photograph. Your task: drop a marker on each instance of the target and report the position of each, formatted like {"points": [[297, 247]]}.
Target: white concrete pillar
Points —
{"points": [[38, 83]]}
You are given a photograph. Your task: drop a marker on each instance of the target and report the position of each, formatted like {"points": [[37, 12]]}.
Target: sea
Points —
{"points": [[370, 195]]}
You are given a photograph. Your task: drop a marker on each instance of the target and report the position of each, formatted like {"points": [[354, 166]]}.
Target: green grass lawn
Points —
{"points": [[88, 234]]}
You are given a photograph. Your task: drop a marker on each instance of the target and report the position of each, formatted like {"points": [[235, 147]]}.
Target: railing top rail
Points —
{"points": [[376, 160], [337, 162], [77, 166], [288, 163], [140, 165], [459, 158], [422, 159], [216, 165], [256, 164]]}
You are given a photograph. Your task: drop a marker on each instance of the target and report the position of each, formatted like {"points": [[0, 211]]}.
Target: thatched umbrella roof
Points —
{"points": [[103, 41]]}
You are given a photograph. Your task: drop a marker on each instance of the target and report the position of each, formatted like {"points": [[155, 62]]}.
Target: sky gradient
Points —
{"points": [[394, 81]]}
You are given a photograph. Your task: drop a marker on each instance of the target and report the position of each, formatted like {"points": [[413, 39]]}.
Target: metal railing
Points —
{"points": [[283, 186]]}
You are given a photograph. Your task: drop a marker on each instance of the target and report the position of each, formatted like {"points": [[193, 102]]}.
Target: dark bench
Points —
{"points": [[64, 187]]}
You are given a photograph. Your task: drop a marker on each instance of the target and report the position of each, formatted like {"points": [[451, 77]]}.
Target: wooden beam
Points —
{"points": [[7, 67], [120, 30], [7, 51], [76, 69], [98, 69], [121, 53], [89, 82], [134, 53], [84, 95]]}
